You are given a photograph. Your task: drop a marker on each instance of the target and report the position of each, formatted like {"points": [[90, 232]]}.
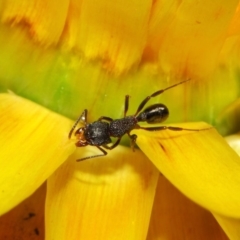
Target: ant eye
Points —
{"points": [[79, 131], [154, 114]]}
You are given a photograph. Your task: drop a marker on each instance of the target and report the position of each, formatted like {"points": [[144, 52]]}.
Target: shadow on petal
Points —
{"points": [[25, 221], [176, 217]]}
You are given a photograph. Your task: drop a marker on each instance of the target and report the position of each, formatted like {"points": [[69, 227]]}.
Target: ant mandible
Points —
{"points": [[99, 133]]}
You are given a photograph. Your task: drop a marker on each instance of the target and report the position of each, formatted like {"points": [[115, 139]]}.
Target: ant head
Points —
{"points": [[79, 133]]}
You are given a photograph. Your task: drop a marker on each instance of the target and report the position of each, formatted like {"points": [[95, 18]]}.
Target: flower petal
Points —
{"points": [[190, 23], [228, 120], [106, 198], [200, 164], [231, 226], [44, 20], [234, 142], [34, 143], [111, 31]]}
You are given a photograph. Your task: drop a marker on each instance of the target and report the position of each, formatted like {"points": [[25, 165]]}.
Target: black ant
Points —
{"points": [[99, 133]]}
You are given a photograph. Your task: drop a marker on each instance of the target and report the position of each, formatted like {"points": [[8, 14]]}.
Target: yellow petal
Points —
{"points": [[111, 31], [33, 142], [106, 198], [234, 142], [231, 226], [43, 20], [189, 23], [172, 210], [228, 119], [200, 164]]}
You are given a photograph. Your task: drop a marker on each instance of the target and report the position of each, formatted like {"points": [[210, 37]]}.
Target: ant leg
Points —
{"points": [[113, 146], [102, 150], [82, 118], [133, 140], [105, 118], [173, 129], [126, 105], [143, 103], [94, 156]]}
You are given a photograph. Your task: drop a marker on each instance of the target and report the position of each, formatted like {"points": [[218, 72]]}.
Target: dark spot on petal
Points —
{"points": [[30, 215], [36, 231]]}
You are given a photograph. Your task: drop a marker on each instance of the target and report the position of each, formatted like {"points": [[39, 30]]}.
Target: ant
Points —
{"points": [[99, 133]]}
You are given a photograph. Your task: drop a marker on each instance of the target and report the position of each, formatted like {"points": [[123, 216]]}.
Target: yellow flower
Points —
{"points": [[70, 56]]}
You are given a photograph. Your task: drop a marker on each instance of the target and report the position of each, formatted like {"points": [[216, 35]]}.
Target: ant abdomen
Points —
{"points": [[155, 113]]}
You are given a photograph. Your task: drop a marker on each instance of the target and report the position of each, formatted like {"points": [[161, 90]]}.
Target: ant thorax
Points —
{"points": [[97, 133], [119, 127]]}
